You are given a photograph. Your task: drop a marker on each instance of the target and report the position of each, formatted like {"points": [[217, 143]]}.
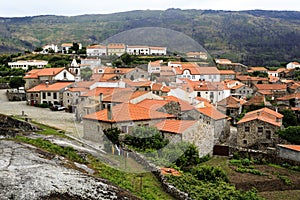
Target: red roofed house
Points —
{"points": [[212, 91], [231, 106], [192, 131], [291, 152], [124, 116], [96, 50], [219, 122], [51, 94], [257, 129], [293, 65], [194, 72], [37, 76], [270, 90]]}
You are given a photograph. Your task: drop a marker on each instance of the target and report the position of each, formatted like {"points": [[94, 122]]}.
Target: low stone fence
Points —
{"points": [[157, 172], [270, 156]]}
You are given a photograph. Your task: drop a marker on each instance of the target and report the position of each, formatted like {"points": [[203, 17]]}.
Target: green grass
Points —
{"points": [[147, 187], [68, 152], [279, 195]]}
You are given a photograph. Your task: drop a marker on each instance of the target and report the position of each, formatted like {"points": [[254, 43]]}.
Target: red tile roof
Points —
{"points": [[50, 87], [271, 86], [264, 114], [292, 147], [212, 113], [184, 105], [288, 97], [227, 72], [128, 112], [123, 96], [98, 90], [231, 102], [175, 126], [43, 72]]}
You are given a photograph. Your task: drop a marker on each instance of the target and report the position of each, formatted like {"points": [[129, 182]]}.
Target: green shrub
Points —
{"points": [[209, 173]]}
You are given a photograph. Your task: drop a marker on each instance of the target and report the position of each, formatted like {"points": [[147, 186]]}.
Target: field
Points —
{"points": [[271, 181]]}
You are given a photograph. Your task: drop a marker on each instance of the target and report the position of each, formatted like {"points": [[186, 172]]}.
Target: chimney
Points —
{"points": [[109, 111], [100, 101]]}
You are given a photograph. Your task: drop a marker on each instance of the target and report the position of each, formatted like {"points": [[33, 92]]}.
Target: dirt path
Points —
{"points": [[59, 119]]}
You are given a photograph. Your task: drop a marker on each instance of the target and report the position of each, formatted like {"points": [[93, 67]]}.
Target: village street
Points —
{"points": [[58, 119]]}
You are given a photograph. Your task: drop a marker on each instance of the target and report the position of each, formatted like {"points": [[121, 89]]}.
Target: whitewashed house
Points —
{"points": [[26, 64]]}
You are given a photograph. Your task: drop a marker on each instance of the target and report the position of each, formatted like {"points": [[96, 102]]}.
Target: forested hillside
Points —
{"points": [[268, 38]]}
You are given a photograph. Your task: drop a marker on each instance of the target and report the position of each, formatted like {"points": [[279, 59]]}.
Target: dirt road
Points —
{"points": [[58, 119]]}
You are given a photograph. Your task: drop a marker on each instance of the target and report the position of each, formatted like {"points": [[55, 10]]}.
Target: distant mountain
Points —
{"points": [[254, 37]]}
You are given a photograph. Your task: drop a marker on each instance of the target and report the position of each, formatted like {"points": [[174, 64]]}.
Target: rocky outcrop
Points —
{"points": [[27, 173], [9, 126]]}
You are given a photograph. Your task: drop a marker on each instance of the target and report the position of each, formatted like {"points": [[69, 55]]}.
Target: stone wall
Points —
{"points": [[269, 157], [177, 194], [9, 127], [251, 138]]}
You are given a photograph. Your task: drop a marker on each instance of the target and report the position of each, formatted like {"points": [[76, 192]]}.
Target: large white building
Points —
{"points": [[26, 64], [194, 72], [96, 50]]}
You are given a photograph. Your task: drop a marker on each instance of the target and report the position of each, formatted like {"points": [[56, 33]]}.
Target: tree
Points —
{"points": [[143, 138], [38, 49], [291, 134], [86, 73], [16, 82], [289, 118], [189, 158]]}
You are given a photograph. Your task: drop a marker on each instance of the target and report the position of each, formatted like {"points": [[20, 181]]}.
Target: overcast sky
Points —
{"points": [[19, 8]]}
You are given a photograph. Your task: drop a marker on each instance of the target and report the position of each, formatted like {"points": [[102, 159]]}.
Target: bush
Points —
{"points": [[209, 173]]}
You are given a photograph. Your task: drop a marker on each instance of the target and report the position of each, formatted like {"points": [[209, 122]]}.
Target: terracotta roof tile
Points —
{"points": [[43, 72], [264, 114], [175, 126], [50, 87], [270, 86], [292, 147], [128, 112], [227, 72], [212, 113]]}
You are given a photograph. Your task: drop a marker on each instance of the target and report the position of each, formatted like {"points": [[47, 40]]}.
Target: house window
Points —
{"points": [[198, 94], [260, 129], [124, 129], [49, 94], [98, 128], [54, 95], [31, 95], [245, 142], [65, 74], [37, 95], [247, 129], [44, 95], [268, 134]]}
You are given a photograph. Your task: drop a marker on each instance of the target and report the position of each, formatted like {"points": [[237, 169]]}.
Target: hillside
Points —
{"points": [[255, 37]]}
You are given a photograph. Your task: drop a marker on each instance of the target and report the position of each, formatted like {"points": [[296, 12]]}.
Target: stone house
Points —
{"points": [[192, 131], [271, 90], [51, 94], [219, 122], [227, 75], [257, 129], [160, 89], [291, 152], [290, 100], [123, 116], [239, 89], [231, 106], [71, 97]]}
